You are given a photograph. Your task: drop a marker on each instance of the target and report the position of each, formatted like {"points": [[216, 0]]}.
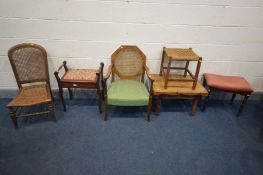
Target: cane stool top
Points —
{"points": [[31, 95], [181, 54]]}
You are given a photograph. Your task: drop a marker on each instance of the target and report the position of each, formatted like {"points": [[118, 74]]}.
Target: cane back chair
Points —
{"points": [[30, 67], [127, 71]]}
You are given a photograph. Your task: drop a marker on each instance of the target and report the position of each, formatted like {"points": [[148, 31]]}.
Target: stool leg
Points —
{"points": [[233, 97], [206, 100], [149, 110], [60, 93], [70, 94], [242, 104]]}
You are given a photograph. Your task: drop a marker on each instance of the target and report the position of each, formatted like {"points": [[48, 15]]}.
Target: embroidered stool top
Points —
{"points": [[228, 83], [80, 75]]}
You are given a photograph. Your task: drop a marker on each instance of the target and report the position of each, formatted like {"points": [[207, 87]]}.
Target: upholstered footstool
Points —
{"points": [[232, 84]]}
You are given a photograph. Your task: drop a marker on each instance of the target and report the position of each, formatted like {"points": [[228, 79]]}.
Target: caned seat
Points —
{"points": [[232, 84], [127, 70], [30, 67], [32, 95]]}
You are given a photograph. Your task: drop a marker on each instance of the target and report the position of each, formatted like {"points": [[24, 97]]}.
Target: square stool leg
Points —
{"points": [[243, 104]]}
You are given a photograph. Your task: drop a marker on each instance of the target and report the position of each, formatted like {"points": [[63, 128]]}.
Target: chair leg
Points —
{"points": [[70, 94], [99, 99], [13, 117], [60, 93], [242, 104], [233, 97], [206, 100], [149, 110], [105, 108], [52, 111]]}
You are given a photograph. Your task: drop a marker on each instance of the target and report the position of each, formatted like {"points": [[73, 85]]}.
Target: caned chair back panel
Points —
{"points": [[128, 62], [29, 63]]}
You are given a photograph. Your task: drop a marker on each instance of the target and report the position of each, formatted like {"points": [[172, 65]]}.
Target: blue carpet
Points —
{"points": [[80, 142]]}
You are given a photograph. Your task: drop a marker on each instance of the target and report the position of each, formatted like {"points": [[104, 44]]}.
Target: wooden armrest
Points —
{"points": [[148, 73], [107, 76]]}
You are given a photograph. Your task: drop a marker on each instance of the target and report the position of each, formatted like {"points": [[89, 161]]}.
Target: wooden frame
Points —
{"points": [[15, 109], [112, 71], [76, 84], [210, 90], [177, 90], [185, 55]]}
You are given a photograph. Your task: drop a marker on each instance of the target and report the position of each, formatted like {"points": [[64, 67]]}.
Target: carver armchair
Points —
{"points": [[127, 72]]}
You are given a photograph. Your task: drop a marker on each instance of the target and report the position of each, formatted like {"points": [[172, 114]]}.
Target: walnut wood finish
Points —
{"points": [[30, 66], [128, 63]]}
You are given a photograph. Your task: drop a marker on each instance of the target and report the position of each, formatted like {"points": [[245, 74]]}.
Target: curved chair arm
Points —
{"points": [[64, 64], [149, 77], [105, 78]]}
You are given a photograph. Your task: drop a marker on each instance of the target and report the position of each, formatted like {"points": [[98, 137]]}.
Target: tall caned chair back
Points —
{"points": [[29, 63], [128, 63]]}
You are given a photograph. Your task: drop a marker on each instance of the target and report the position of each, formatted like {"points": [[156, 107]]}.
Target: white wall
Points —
{"points": [[228, 34]]}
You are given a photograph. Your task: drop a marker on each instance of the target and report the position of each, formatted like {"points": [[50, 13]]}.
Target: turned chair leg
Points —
{"points": [[233, 98], [99, 99], [52, 111], [105, 108], [149, 110], [242, 104], [13, 117]]}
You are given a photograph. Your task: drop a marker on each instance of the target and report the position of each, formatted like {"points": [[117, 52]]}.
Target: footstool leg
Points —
{"points": [[233, 97], [242, 104]]}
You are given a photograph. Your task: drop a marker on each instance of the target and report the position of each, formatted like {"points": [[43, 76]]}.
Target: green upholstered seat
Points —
{"points": [[128, 93]]}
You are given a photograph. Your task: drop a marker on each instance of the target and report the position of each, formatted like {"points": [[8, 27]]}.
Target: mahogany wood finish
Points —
{"points": [[64, 83]]}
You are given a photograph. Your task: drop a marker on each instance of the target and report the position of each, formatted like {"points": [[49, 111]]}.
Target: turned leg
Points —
{"points": [[149, 109], [99, 99], [194, 104], [70, 94], [52, 111], [242, 104], [233, 98], [60, 93], [13, 117], [105, 108]]}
